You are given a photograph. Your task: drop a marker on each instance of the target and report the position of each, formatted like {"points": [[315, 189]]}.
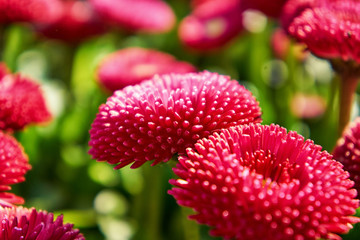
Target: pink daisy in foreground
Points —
{"points": [[211, 25], [260, 182], [21, 103], [13, 166], [150, 16], [38, 11], [20, 223], [132, 65], [347, 151], [163, 116], [76, 23]]}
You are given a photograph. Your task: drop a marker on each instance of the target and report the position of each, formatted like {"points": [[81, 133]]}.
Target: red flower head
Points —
{"points": [[330, 29], [132, 65], [21, 103], [76, 23], [292, 9], [13, 166], [21, 223], [167, 114], [260, 182], [347, 151], [211, 25], [270, 8], [39, 11], [151, 16]]}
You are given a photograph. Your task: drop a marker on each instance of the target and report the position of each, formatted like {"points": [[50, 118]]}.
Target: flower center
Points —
{"points": [[266, 164]]}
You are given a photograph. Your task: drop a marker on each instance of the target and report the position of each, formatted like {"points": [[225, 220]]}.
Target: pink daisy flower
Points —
{"points": [[163, 116], [13, 166], [211, 25], [21, 223], [292, 9], [151, 16], [21, 103], [132, 65], [347, 151], [330, 29], [260, 182], [39, 11], [271, 8], [76, 23]]}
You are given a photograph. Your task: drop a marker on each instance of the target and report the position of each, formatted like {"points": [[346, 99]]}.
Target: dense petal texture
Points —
{"points": [[163, 116], [330, 29], [20, 223], [38, 11], [76, 23], [347, 151], [132, 65], [211, 25], [271, 8], [151, 16], [13, 166], [21, 103], [260, 182]]}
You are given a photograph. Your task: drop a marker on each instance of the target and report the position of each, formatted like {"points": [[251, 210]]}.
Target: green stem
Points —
{"points": [[348, 84], [151, 204], [191, 228]]}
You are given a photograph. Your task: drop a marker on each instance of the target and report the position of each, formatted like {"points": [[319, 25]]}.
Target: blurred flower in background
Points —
{"points": [[163, 116], [211, 25], [260, 182], [36, 11], [307, 105], [150, 16], [13, 166], [270, 8], [21, 103], [132, 65], [76, 23], [282, 45], [22, 223]]}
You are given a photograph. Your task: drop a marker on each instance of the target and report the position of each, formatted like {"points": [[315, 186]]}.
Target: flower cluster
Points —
{"points": [[260, 182], [163, 116], [22, 103]]}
